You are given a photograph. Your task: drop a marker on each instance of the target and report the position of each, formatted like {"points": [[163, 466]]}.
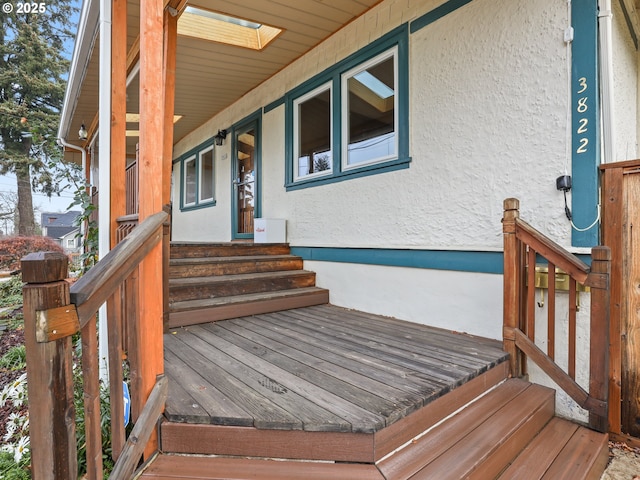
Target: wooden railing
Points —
{"points": [[53, 312], [131, 190], [523, 247]]}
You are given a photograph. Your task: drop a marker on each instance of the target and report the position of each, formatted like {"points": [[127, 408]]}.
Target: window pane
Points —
{"points": [[370, 112], [190, 181], [206, 175], [313, 119]]}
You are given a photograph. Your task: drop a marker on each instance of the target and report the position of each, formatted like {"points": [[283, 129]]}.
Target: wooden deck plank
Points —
{"points": [[180, 405], [329, 361], [327, 368], [432, 368], [267, 401], [360, 419], [531, 410], [222, 409], [411, 426], [428, 448], [455, 344], [354, 388], [168, 467], [536, 458], [584, 456], [346, 325], [455, 348]]}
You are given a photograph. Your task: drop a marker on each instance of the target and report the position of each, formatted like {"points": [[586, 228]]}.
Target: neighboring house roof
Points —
{"points": [[59, 232], [58, 219]]}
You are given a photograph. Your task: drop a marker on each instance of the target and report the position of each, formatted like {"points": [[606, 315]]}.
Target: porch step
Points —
{"points": [[216, 286], [192, 312], [508, 433], [233, 249], [202, 267], [500, 436], [217, 281]]}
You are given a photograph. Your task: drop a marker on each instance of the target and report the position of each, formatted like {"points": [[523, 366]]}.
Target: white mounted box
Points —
{"points": [[269, 230]]}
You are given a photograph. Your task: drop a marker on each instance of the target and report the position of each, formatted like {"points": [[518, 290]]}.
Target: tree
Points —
{"points": [[8, 212], [32, 86]]}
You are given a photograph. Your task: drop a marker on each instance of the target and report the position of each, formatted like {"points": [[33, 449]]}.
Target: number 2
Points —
{"points": [[583, 145]]}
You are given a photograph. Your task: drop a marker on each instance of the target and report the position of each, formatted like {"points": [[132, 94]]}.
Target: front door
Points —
{"points": [[246, 162]]}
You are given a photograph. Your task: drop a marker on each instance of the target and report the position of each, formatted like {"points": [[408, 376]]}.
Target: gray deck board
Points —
{"points": [[318, 368]]}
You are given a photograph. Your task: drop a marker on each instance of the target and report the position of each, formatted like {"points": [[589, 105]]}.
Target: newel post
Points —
{"points": [[511, 275], [49, 370], [599, 336]]}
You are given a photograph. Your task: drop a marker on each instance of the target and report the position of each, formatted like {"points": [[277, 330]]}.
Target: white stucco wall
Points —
{"points": [[625, 83], [488, 110], [460, 301], [488, 113]]}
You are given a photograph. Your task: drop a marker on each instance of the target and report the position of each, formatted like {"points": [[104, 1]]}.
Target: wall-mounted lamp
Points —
{"points": [[82, 133], [220, 136]]}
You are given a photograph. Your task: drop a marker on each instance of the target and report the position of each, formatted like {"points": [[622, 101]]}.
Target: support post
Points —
{"points": [[150, 166], [511, 300], [49, 370], [599, 337]]}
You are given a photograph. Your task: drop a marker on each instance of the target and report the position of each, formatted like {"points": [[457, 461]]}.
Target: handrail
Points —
{"points": [[99, 283], [53, 312], [523, 244]]}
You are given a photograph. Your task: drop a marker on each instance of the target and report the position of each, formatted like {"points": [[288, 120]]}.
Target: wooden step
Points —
{"points": [[192, 312], [184, 289], [234, 249], [479, 441], [166, 467], [562, 450], [208, 266]]}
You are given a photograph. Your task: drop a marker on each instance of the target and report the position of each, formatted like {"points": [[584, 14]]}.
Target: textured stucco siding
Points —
{"points": [[487, 121], [625, 84]]}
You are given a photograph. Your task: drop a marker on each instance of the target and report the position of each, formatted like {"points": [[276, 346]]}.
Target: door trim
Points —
{"points": [[252, 121]]}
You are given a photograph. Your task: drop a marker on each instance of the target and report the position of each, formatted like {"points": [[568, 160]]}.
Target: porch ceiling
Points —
{"points": [[211, 76]]}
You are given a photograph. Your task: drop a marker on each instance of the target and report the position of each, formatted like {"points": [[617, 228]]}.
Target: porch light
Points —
{"points": [[220, 136], [82, 133]]}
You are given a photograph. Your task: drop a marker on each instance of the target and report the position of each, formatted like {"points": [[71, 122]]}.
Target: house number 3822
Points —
{"points": [[582, 108]]}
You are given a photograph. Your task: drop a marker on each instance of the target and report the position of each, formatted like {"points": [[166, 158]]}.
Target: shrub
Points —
{"points": [[12, 249]]}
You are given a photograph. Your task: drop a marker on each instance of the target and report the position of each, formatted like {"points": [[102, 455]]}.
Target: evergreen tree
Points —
{"points": [[33, 71]]}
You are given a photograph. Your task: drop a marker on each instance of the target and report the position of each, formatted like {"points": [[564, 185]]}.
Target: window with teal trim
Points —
{"points": [[198, 178], [352, 119]]}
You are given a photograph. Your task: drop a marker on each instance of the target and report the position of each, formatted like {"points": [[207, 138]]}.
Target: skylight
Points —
{"points": [[373, 84], [197, 22]]}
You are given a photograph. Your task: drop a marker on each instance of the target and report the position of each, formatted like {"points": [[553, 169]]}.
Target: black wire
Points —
{"points": [[567, 210]]}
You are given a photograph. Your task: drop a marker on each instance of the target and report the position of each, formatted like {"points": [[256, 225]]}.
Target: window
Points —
{"points": [[352, 119], [369, 107], [198, 177], [71, 242], [312, 137]]}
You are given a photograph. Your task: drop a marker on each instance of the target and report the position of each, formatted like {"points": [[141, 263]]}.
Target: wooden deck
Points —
{"points": [[316, 369]]}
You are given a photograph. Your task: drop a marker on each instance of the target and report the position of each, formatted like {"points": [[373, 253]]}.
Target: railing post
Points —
{"points": [[49, 370], [511, 274], [166, 256], [599, 337]]}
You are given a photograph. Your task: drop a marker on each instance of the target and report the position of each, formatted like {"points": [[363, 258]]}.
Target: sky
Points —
{"points": [[42, 203]]}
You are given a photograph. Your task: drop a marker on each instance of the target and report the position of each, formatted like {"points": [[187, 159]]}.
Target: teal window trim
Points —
{"points": [[585, 147], [273, 105], [397, 38], [437, 13], [195, 154]]}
